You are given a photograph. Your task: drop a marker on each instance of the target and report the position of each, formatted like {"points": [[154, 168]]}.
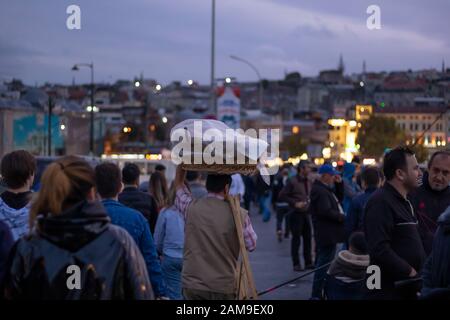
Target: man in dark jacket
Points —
{"points": [[432, 197], [135, 199], [328, 220], [390, 226], [296, 194], [436, 272]]}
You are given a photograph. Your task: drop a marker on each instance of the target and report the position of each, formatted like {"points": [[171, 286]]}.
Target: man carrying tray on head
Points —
{"points": [[211, 248]]}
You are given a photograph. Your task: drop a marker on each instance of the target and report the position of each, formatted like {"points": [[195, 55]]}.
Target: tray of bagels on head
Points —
{"points": [[211, 146]]}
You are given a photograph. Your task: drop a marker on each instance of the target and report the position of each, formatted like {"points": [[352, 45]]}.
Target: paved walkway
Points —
{"points": [[271, 263]]}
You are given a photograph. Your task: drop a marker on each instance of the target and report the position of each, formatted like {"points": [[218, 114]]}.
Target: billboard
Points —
{"points": [[229, 107], [30, 133]]}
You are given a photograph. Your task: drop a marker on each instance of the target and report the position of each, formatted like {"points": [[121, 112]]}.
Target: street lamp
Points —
{"points": [[92, 108], [213, 41], [258, 75]]}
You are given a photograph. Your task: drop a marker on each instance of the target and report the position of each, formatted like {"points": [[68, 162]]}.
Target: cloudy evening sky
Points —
{"points": [[170, 39]]}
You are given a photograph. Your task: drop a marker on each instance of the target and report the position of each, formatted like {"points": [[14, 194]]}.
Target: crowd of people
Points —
{"points": [[179, 241], [164, 243], [395, 217]]}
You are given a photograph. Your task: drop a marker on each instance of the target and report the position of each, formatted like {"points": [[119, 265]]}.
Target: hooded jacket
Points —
{"points": [[349, 267], [110, 264], [346, 277]]}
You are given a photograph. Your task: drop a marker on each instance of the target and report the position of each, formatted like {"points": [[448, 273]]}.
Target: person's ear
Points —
{"points": [[400, 174], [122, 186]]}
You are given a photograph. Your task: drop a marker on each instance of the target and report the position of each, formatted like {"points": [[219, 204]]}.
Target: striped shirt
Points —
{"points": [[183, 200]]}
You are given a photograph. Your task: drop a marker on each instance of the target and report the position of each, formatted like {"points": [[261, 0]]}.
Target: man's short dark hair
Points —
{"points": [[130, 173], [160, 167], [371, 177], [17, 167], [438, 153], [108, 179], [394, 160], [358, 242], [192, 175], [216, 182]]}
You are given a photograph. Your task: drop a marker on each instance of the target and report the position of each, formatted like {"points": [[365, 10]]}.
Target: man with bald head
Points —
{"points": [[432, 198]]}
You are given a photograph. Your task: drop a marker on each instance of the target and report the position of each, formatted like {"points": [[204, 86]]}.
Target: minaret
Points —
{"points": [[341, 66], [443, 66]]}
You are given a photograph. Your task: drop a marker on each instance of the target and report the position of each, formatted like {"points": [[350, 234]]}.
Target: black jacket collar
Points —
{"points": [[391, 189]]}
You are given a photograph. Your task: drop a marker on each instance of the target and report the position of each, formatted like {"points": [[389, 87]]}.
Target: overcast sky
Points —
{"points": [[170, 39]]}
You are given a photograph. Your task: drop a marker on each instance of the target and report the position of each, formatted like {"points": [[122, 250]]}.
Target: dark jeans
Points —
{"points": [[171, 269], [264, 201], [282, 214], [301, 228], [324, 255]]}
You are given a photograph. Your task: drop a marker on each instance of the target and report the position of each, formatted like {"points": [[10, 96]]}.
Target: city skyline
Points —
{"points": [[171, 42]]}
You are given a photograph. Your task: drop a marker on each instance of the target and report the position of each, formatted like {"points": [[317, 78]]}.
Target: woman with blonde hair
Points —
{"points": [[158, 189], [73, 245], [169, 242]]}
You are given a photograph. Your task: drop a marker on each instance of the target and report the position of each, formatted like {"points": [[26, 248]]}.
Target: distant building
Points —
{"points": [[416, 120]]}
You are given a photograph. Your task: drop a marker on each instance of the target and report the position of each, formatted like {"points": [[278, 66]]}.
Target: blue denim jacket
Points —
{"points": [[169, 233], [137, 226]]}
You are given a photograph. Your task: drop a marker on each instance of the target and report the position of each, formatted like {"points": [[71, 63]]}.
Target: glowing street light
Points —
{"points": [[92, 109], [137, 84], [164, 119], [62, 127], [158, 87], [190, 82], [227, 80], [76, 67]]}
